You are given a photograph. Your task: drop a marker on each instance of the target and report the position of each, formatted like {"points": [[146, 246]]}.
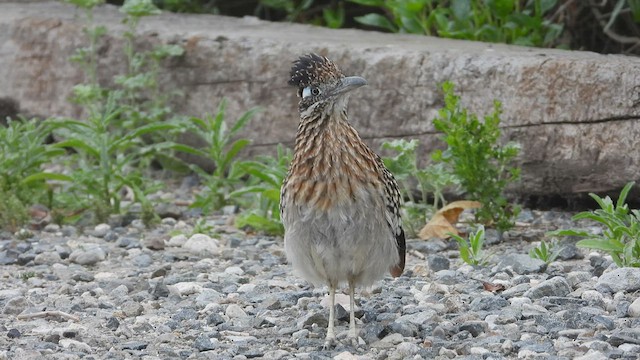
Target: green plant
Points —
{"points": [[263, 188], [24, 276], [478, 161], [621, 229], [106, 158], [221, 148], [505, 21], [431, 180], [471, 250], [23, 152], [545, 252], [142, 99]]}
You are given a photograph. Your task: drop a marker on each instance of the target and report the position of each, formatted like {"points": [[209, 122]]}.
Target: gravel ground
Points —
{"points": [[125, 292]]}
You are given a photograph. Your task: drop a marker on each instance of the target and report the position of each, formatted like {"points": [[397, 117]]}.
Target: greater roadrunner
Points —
{"points": [[339, 204]]}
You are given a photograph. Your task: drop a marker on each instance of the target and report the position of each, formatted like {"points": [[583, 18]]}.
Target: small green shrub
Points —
{"points": [[23, 183], [545, 252], [621, 229], [477, 160], [471, 251], [263, 188], [222, 148], [432, 180], [107, 159], [505, 21]]}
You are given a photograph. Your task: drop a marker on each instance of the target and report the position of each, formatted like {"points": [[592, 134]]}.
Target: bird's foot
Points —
{"points": [[353, 341], [329, 343]]}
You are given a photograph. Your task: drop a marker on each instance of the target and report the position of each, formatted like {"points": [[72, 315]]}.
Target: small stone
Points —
{"points": [[488, 303], [634, 308], [201, 244], [474, 327], [185, 314], [407, 349], [311, 318], [75, 345], [47, 258], [15, 305], [235, 311], [89, 255], [556, 286], [576, 278], [160, 290], [13, 334], [132, 309], [593, 298], [101, 230], [83, 276], [569, 251], [154, 243], [128, 242], [113, 323], [522, 264], [622, 309], [245, 288], [142, 260], [438, 262], [619, 337], [234, 270], [215, 319], [627, 279], [185, 288], [119, 292], [8, 257], [177, 241], [203, 343], [134, 345]]}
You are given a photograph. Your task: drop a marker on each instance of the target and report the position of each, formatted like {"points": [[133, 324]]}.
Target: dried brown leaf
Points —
{"points": [[442, 223]]}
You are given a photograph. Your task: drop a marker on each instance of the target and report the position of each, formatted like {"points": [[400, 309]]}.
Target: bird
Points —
{"points": [[339, 204]]}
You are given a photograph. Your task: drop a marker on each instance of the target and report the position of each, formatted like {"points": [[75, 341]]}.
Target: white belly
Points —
{"points": [[351, 241]]}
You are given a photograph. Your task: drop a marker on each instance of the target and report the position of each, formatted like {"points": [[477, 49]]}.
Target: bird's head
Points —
{"points": [[320, 81]]}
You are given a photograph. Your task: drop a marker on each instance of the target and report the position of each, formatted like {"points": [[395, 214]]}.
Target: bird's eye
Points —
{"points": [[310, 91]]}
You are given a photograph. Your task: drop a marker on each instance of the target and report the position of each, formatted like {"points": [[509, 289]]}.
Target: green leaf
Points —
{"points": [[599, 244], [376, 20], [46, 176], [235, 148], [376, 3], [139, 8]]}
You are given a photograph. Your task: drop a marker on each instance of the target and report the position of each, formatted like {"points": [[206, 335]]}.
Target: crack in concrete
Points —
{"points": [[424, 133]]}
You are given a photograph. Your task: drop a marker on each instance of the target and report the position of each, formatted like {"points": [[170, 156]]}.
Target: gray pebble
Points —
{"points": [[522, 264], [90, 255], [556, 286]]}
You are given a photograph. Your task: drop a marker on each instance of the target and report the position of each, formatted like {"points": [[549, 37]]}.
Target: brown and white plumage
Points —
{"points": [[339, 204]]}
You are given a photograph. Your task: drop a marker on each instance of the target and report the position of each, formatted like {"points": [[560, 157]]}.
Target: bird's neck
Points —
{"points": [[327, 146]]}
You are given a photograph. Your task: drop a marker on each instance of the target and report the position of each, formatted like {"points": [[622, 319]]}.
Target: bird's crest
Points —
{"points": [[313, 69]]}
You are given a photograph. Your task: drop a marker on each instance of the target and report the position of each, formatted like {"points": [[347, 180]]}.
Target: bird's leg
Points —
{"points": [[331, 334], [353, 334]]}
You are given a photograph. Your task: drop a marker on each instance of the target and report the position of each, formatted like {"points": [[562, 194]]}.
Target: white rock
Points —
{"points": [[634, 308], [593, 297], [235, 311], [591, 355], [201, 244], [345, 355], [75, 345], [234, 270], [101, 230], [245, 288], [478, 351], [185, 288], [176, 241]]}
